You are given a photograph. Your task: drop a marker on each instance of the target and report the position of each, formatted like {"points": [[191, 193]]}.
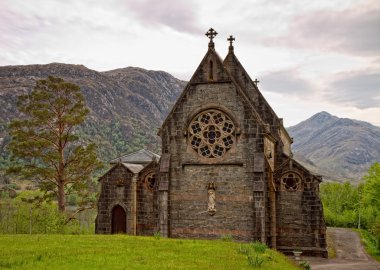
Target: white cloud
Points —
{"points": [[360, 89], [353, 31], [315, 48]]}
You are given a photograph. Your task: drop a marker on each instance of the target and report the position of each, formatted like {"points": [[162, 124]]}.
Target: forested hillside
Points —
{"points": [[127, 105]]}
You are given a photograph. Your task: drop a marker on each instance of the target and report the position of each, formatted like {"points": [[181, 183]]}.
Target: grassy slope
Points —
{"points": [[369, 242], [125, 252]]}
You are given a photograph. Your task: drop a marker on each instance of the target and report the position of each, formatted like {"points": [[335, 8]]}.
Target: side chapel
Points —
{"points": [[226, 168]]}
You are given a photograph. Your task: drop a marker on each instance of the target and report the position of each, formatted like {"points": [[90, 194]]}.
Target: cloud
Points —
{"points": [[360, 89], [287, 82], [353, 30], [178, 15]]}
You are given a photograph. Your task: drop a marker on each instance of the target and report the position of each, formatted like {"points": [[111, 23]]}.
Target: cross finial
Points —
{"points": [[211, 33], [231, 39], [256, 81]]}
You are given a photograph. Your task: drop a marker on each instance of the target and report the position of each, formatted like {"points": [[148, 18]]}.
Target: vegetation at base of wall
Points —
{"points": [[227, 237], [350, 206], [371, 244], [19, 215], [305, 265], [127, 252], [331, 248], [259, 255]]}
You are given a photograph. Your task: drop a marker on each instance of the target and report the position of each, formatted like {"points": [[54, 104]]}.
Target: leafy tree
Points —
{"points": [[371, 197], [45, 140], [371, 191]]}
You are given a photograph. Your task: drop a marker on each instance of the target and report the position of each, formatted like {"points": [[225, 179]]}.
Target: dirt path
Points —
{"points": [[350, 254]]}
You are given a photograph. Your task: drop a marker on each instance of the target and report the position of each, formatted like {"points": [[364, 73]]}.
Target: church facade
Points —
{"points": [[226, 168]]}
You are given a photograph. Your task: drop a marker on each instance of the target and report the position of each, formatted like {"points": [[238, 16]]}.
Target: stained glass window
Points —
{"points": [[211, 133]]}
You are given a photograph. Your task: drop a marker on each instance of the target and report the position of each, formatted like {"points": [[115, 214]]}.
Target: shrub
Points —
{"points": [[305, 265], [259, 247], [226, 237], [157, 235]]}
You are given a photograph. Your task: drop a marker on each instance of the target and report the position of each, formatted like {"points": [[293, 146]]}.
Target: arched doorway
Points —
{"points": [[119, 220]]}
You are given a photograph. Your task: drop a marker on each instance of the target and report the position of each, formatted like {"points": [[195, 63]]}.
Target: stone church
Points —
{"points": [[226, 168]]}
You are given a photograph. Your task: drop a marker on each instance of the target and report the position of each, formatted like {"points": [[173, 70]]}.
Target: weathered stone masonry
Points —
{"points": [[226, 169]]}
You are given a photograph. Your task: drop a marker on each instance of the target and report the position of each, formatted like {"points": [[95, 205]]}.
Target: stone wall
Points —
{"points": [[239, 195], [300, 223], [116, 187], [147, 210]]}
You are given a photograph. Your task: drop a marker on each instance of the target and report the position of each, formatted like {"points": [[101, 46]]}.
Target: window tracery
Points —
{"points": [[211, 133], [291, 181], [150, 181]]}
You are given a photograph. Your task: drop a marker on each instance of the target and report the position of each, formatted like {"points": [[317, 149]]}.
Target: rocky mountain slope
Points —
{"points": [[127, 105], [337, 148]]}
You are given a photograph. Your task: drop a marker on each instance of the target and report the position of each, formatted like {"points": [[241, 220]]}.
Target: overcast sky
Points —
{"points": [[309, 56]]}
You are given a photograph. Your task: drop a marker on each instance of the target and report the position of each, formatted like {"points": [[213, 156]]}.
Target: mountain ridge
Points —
{"points": [[124, 113], [128, 105], [339, 147]]}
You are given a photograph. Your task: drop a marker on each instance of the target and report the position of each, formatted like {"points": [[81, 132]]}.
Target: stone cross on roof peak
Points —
{"points": [[231, 39], [211, 33]]}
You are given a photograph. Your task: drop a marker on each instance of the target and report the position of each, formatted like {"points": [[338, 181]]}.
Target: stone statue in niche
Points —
{"points": [[211, 198]]}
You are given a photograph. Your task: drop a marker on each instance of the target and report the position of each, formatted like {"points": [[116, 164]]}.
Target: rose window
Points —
{"points": [[211, 134], [291, 181], [150, 181]]}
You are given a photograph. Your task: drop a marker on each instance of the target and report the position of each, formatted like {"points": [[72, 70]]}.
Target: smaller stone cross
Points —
{"points": [[211, 33], [231, 39], [256, 81]]}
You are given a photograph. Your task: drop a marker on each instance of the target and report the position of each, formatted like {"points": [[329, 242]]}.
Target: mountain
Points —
{"points": [[337, 148], [129, 104], [126, 105]]}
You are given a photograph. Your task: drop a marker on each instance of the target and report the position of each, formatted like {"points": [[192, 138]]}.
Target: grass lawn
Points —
{"points": [[129, 252]]}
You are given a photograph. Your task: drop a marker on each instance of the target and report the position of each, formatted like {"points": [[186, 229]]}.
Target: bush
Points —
{"points": [[305, 265], [259, 247], [227, 237], [22, 215], [13, 186], [157, 235]]}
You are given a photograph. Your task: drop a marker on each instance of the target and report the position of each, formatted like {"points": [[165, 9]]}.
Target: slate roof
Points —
{"points": [[135, 168], [140, 157]]}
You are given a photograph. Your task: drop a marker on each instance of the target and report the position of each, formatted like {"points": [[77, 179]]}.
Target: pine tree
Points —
{"points": [[45, 140]]}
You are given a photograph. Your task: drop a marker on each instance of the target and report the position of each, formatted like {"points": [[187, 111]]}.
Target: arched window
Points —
{"points": [[211, 71], [211, 133]]}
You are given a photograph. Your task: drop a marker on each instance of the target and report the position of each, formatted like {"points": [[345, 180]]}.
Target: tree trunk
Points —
{"points": [[61, 197]]}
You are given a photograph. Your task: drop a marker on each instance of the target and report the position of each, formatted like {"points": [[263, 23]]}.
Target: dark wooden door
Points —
{"points": [[119, 220]]}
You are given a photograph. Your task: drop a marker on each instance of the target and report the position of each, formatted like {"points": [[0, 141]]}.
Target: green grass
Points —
{"points": [[128, 252], [331, 248], [369, 242]]}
